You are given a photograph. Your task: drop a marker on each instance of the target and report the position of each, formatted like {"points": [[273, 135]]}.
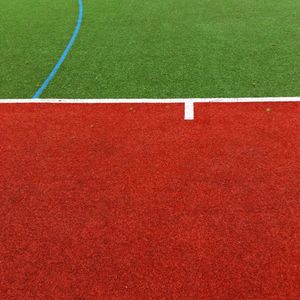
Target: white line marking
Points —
{"points": [[188, 103], [162, 101]]}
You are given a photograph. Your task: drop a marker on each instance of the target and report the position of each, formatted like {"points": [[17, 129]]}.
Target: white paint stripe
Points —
{"points": [[162, 101], [188, 103], [189, 110]]}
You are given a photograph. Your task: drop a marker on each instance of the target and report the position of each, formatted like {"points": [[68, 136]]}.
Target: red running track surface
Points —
{"points": [[133, 202]]}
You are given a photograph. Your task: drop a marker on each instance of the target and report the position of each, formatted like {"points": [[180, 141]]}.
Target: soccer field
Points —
{"points": [[151, 49]]}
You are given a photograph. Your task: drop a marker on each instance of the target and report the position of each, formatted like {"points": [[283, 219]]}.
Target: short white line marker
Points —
{"points": [[189, 110]]}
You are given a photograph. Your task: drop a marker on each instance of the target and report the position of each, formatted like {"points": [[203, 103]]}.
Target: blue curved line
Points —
{"points": [[64, 55]]}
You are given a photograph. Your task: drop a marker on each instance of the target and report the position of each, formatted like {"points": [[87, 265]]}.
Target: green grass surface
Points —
{"points": [[151, 49]]}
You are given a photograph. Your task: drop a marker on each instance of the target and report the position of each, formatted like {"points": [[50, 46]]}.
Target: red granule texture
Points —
{"points": [[133, 202]]}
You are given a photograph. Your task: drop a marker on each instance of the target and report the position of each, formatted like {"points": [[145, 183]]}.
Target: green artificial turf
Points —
{"points": [[33, 34], [151, 48]]}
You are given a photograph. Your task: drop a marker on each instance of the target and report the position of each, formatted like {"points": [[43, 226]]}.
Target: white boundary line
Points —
{"points": [[162, 101], [188, 103]]}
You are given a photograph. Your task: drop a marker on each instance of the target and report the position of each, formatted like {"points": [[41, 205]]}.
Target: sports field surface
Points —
{"points": [[149, 149], [151, 49]]}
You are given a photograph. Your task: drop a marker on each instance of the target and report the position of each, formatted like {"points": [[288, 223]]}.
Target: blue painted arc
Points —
{"points": [[64, 55]]}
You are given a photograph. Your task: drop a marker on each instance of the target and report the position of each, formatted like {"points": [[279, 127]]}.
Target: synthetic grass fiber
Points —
{"points": [[151, 49]]}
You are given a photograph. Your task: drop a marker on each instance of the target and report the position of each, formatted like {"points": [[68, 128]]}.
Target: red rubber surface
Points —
{"points": [[133, 202]]}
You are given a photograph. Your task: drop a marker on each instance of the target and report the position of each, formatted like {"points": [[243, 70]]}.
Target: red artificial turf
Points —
{"points": [[133, 202]]}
